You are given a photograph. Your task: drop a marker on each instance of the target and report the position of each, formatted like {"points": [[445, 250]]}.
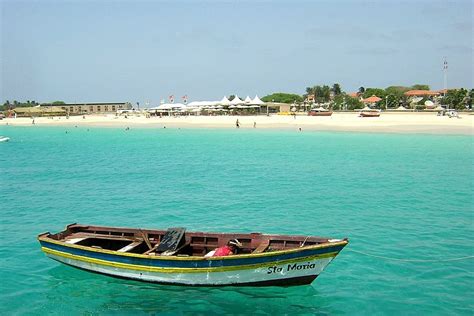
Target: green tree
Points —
{"points": [[353, 103], [397, 90], [322, 93], [336, 89], [374, 91], [392, 101], [281, 97], [470, 98], [455, 98], [326, 90], [361, 90], [420, 87], [58, 102], [339, 101]]}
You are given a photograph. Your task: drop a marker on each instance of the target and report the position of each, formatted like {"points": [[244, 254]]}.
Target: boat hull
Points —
{"points": [[283, 268], [369, 114], [319, 113]]}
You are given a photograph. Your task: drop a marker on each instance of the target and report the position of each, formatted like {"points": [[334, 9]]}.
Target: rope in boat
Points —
{"points": [[304, 241], [411, 260]]}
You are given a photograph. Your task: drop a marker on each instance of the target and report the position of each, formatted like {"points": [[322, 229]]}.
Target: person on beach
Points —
{"points": [[254, 124], [237, 123], [227, 250]]}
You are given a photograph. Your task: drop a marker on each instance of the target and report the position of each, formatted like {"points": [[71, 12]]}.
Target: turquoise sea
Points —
{"points": [[396, 196]]}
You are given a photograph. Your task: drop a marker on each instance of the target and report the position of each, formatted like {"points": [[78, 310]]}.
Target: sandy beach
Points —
{"points": [[387, 122]]}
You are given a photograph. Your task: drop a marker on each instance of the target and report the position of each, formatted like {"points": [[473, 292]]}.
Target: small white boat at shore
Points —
{"points": [[4, 139]]}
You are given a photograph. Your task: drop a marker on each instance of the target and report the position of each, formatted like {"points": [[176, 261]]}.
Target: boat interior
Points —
{"points": [[174, 241]]}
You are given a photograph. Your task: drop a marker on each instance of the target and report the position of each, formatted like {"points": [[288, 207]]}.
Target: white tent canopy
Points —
{"points": [[236, 101], [247, 100], [257, 101], [169, 106], [224, 101], [203, 103]]}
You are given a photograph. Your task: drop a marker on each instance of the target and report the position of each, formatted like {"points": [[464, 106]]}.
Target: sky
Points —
{"points": [[145, 51]]}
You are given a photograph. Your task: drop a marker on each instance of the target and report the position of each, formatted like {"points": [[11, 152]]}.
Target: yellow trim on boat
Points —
{"points": [[242, 256], [182, 270]]}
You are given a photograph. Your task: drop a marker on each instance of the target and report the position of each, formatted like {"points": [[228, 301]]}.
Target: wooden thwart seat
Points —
{"points": [[74, 240], [262, 247], [130, 246]]}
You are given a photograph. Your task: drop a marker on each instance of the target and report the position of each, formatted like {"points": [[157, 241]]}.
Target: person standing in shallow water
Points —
{"points": [[237, 123]]}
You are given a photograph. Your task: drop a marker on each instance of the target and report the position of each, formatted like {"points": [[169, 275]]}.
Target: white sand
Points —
{"points": [[387, 122]]}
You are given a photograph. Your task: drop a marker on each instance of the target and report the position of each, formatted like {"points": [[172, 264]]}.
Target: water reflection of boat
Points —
{"points": [[178, 257]]}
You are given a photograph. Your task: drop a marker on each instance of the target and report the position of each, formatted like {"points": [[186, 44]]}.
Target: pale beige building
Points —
{"points": [[87, 108]]}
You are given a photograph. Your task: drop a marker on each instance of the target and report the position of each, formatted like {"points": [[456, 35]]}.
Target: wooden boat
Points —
{"points": [[371, 113], [319, 112], [175, 256]]}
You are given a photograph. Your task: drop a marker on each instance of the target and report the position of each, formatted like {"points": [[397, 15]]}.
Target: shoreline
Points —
{"points": [[410, 123]]}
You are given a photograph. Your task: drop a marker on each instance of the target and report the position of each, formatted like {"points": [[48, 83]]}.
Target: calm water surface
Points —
{"points": [[397, 196]]}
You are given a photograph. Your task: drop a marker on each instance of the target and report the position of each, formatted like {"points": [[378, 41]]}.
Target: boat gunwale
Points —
{"points": [[45, 238]]}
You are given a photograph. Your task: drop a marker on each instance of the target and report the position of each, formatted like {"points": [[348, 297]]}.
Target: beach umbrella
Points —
{"points": [[372, 99]]}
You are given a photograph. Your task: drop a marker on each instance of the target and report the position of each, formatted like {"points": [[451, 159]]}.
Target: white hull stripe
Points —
{"points": [[268, 273]]}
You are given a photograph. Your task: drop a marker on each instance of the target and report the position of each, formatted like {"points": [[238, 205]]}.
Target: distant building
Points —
{"points": [[421, 93], [310, 98], [39, 111], [87, 108]]}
